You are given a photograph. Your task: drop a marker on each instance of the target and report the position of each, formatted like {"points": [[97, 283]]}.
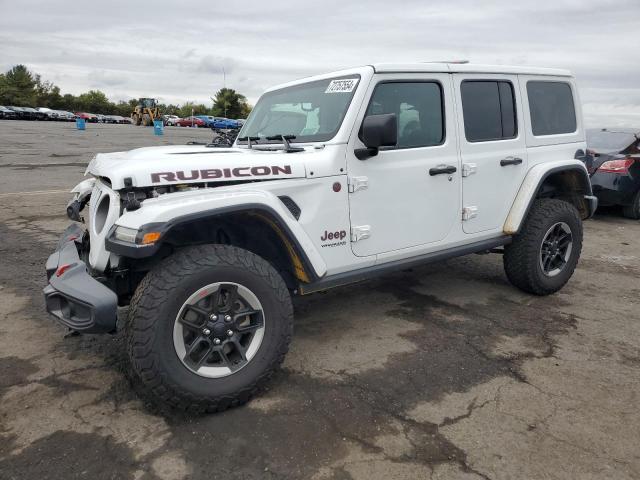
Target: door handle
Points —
{"points": [[510, 161], [442, 169]]}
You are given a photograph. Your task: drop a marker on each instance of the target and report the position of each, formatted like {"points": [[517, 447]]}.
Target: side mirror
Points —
{"points": [[377, 131]]}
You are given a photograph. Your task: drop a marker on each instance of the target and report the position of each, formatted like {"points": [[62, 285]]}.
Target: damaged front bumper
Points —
{"points": [[73, 297]]}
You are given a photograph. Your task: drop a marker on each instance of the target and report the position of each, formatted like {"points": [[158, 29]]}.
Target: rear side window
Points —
{"points": [[551, 106], [489, 110], [419, 108]]}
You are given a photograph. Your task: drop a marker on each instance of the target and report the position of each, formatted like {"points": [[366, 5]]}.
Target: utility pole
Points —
{"points": [[224, 85]]}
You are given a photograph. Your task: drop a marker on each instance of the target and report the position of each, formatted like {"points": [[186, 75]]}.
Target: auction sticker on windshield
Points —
{"points": [[344, 85]]}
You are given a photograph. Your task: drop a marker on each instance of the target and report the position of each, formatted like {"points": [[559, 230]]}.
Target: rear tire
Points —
{"points": [[173, 339], [543, 255], [633, 211]]}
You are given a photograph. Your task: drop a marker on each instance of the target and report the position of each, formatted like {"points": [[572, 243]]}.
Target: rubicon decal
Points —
{"points": [[213, 173]]}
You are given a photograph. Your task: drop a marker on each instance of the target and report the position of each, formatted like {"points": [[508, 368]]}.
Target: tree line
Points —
{"points": [[20, 87]]}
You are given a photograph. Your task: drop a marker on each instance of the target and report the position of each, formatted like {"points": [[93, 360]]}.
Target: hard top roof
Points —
{"points": [[464, 67], [434, 67]]}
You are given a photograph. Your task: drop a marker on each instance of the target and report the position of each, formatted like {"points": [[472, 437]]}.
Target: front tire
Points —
{"points": [[207, 328], [543, 255]]}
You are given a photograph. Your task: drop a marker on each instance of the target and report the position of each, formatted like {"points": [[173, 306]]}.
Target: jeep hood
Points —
{"points": [[180, 164]]}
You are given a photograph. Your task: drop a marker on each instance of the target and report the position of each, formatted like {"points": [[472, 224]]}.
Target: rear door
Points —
{"points": [[492, 147]]}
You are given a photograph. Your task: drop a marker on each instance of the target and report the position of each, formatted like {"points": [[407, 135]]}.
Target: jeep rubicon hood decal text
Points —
{"points": [[213, 173], [153, 166]]}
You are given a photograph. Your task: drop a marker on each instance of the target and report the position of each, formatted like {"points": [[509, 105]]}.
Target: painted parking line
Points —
{"points": [[37, 192]]}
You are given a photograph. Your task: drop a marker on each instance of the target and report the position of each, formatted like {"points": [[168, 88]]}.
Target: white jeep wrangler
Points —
{"points": [[333, 179]]}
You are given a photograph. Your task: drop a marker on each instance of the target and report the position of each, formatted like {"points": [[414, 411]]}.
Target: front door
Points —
{"points": [[492, 146], [407, 195]]}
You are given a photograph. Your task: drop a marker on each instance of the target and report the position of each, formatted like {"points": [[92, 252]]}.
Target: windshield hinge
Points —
{"points": [[357, 183]]}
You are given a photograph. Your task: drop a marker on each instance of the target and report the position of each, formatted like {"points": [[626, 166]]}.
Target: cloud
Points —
{"points": [[215, 65], [101, 79], [177, 51]]}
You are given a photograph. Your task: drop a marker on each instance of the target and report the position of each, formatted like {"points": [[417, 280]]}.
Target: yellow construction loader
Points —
{"points": [[145, 112]]}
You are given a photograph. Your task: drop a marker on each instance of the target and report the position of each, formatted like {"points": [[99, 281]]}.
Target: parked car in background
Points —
{"points": [[60, 116], [101, 118], [209, 121], [64, 116], [240, 121], [191, 122], [7, 114], [21, 113], [114, 119], [88, 117], [35, 114], [49, 114], [226, 123], [218, 123], [170, 119], [613, 162]]}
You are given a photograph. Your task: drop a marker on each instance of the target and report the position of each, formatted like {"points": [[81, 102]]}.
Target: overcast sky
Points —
{"points": [[176, 50]]}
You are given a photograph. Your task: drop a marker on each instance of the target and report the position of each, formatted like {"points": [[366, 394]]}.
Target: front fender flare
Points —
{"points": [[165, 212], [531, 185]]}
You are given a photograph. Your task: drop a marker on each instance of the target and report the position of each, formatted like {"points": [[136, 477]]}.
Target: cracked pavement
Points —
{"points": [[439, 372]]}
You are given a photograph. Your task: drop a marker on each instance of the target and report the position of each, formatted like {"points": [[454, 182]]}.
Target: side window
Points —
{"points": [[551, 106], [419, 108], [489, 110]]}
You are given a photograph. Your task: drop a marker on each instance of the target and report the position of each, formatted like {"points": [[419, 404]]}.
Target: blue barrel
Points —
{"points": [[80, 123], [158, 127]]}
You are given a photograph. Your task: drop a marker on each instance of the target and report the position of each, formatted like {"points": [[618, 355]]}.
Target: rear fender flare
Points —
{"points": [[532, 183]]}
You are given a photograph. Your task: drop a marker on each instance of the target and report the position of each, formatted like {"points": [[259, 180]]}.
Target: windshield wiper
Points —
{"points": [[248, 139], [285, 141]]}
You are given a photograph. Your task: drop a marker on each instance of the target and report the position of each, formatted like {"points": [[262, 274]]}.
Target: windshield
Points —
{"points": [[311, 112], [604, 141]]}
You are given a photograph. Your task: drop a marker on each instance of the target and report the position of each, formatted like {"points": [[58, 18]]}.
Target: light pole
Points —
{"points": [[224, 85]]}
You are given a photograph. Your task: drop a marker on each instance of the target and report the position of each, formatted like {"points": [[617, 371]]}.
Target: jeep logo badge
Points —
{"points": [[333, 235]]}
